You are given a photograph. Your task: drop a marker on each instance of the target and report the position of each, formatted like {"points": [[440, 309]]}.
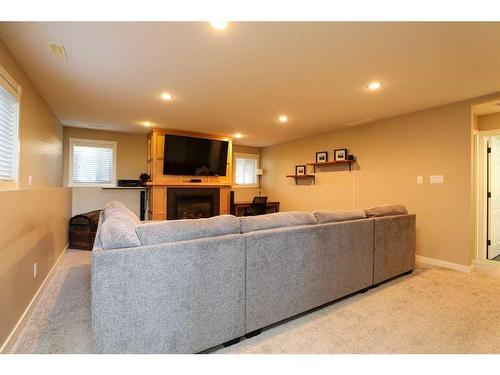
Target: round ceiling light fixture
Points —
{"points": [[147, 124], [374, 86], [238, 135], [219, 25]]}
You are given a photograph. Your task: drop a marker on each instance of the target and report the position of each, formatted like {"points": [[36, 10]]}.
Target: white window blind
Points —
{"points": [[246, 169], [92, 162], [9, 123]]}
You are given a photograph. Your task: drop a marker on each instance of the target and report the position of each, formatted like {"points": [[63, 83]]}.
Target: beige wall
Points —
{"points": [[391, 154], [34, 219], [34, 229], [242, 194], [489, 122], [40, 132], [131, 153]]}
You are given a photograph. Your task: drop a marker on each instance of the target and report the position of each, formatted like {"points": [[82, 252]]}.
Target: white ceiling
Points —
{"points": [[241, 79]]}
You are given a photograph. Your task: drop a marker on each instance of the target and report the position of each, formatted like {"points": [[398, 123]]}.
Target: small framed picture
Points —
{"points": [[300, 170], [322, 157], [340, 154]]}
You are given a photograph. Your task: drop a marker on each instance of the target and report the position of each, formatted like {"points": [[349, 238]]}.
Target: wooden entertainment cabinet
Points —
{"points": [[159, 184]]}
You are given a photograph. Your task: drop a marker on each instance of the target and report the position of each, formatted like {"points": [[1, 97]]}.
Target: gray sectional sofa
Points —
{"points": [[188, 285]]}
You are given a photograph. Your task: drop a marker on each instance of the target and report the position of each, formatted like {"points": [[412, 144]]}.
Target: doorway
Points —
{"points": [[486, 175], [493, 198]]}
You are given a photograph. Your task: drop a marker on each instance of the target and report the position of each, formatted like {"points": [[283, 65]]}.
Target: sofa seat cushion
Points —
{"points": [[118, 228], [187, 229], [338, 215], [386, 210], [276, 220]]}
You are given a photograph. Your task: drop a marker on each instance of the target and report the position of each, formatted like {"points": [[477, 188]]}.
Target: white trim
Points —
{"points": [[10, 83], [443, 263], [14, 89], [90, 142], [21, 323], [246, 156]]}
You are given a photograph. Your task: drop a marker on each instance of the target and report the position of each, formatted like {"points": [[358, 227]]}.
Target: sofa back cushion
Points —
{"points": [[118, 229], [386, 210], [276, 220], [187, 229], [338, 215]]}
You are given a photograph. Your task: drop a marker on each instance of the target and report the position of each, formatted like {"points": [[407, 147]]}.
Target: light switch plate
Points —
{"points": [[420, 179], [438, 179]]}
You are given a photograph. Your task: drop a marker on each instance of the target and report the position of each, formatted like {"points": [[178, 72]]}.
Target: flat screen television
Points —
{"points": [[190, 156]]}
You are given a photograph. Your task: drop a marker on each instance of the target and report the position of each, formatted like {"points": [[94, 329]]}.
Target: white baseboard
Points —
{"points": [[443, 263], [21, 323]]}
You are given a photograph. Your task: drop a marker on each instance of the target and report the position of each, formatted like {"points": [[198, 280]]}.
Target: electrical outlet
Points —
{"points": [[35, 269], [439, 179], [420, 179]]}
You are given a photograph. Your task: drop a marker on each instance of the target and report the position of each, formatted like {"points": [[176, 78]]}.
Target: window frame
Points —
{"points": [[246, 156], [12, 87], [90, 143]]}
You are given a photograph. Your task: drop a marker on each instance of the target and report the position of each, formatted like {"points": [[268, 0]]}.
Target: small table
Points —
{"points": [[240, 207]]}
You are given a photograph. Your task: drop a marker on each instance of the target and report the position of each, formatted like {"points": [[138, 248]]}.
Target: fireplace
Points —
{"points": [[192, 203]]}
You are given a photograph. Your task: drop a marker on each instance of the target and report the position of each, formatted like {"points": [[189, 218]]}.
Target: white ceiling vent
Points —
{"points": [[58, 50]]}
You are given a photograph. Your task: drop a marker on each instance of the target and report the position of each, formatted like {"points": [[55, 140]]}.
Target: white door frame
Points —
{"points": [[481, 188]]}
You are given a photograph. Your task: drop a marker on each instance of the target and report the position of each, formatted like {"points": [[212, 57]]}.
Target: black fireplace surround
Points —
{"points": [[192, 203]]}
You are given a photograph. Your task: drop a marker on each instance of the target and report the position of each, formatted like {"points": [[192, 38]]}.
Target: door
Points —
{"points": [[494, 197]]}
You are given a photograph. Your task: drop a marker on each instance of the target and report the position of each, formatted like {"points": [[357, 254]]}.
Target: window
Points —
{"points": [[245, 170], [10, 94], [92, 163]]}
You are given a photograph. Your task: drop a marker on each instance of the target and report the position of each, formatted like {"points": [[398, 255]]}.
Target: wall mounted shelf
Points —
{"points": [[302, 176], [341, 162]]}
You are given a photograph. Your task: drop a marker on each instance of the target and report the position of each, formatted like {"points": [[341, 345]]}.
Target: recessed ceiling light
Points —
{"points": [[219, 25], [147, 124], [374, 85], [166, 96], [238, 135], [282, 119]]}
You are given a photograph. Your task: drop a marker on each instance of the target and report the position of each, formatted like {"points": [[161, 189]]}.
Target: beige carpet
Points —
{"points": [[433, 310], [61, 322]]}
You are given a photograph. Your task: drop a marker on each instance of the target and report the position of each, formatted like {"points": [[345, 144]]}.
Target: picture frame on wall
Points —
{"points": [[321, 156], [300, 170], [340, 154]]}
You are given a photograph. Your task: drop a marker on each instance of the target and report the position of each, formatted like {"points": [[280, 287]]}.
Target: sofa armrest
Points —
{"points": [[394, 250], [181, 297]]}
